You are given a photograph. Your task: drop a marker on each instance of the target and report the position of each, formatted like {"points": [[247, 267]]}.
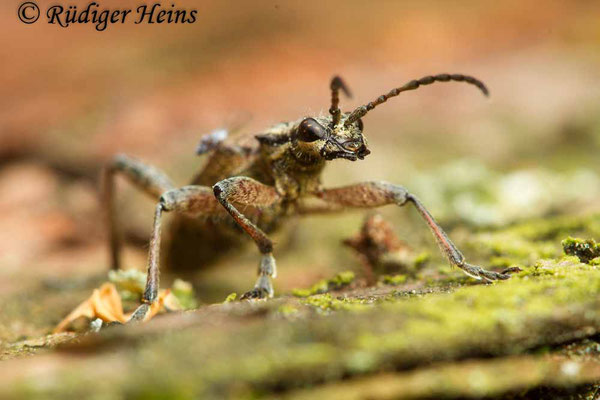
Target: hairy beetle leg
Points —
{"points": [[377, 194], [147, 178], [480, 273], [247, 191], [105, 302]]}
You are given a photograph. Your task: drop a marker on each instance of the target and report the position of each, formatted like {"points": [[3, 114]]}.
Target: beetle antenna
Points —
{"points": [[336, 84], [412, 85]]}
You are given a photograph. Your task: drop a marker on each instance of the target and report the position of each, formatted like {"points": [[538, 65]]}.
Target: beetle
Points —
{"points": [[253, 188]]}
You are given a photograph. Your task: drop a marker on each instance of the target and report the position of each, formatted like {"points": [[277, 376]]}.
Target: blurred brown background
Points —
{"points": [[73, 97]]}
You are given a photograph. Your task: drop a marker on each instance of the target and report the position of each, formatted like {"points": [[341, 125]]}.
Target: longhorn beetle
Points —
{"points": [[260, 185]]}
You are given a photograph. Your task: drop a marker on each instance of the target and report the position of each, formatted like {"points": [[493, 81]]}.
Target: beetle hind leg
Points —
{"points": [[376, 194], [447, 247], [149, 179]]}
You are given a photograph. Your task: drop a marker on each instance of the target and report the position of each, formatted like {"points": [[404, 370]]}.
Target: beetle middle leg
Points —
{"points": [[376, 194], [247, 191], [193, 200]]}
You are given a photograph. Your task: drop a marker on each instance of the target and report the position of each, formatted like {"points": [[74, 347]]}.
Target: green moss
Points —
{"points": [[595, 261], [421, 259], [393, 279], [230, 298], [584, 249], [527, 242], [301, 292], [513, 247], [287, 310], [501, 262], [338, 282], [536, 291], [342, 279], [184, 292], [129, 282], [468, 191], [538, 269], [326, 302], [552, 301]]}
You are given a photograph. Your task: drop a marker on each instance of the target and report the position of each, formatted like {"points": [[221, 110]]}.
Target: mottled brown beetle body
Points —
{"points": [[252, 188], [273, 160]]}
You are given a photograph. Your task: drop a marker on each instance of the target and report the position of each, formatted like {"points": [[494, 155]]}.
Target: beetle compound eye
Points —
{"points": [[310, 130]]}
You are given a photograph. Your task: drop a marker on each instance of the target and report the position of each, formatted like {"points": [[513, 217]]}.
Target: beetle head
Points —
{"points": [[319, 138]]}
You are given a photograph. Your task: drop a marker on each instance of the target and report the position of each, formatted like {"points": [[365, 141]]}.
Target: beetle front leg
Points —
{"points": [[376, 194], [247, 191]]}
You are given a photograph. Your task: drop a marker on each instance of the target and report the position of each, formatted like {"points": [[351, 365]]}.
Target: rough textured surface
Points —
{"points": [[251, 349]]}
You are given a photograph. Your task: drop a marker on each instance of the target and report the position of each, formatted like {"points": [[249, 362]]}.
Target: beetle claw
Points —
{"points": [[256, 294]]}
